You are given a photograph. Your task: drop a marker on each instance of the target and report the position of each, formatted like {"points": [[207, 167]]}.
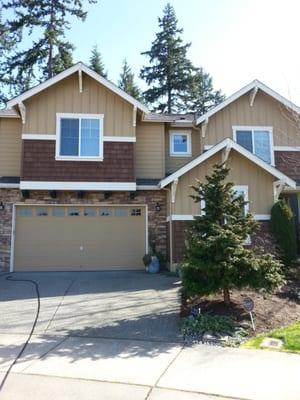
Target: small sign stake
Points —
{"points": [[249, 307]]}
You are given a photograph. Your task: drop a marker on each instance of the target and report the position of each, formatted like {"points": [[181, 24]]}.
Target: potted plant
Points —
{"points": [[151, 260]]}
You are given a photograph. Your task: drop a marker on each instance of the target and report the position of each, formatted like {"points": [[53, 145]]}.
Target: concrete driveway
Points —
{"points": [[115, 336]]}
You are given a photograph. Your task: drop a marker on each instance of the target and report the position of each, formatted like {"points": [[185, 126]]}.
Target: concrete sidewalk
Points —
{"points": [[131, 369]]}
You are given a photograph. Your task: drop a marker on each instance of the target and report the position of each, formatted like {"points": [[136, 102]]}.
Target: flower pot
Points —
{"points": [[153, 267]]}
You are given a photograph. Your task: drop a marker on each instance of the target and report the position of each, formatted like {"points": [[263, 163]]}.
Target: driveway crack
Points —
{"points": [[59, 305]]}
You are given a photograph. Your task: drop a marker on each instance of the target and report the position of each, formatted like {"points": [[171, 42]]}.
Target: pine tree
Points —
{"points": [[200, 95], [127, 83], [50, 52], [96, 62], [169, 72], [216, 258]]}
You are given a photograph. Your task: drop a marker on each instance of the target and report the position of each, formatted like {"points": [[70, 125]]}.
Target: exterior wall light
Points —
{"points": [[157, 207]]}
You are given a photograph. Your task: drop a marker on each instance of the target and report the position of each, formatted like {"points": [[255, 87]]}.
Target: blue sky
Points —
{"points": [[236, 41]]}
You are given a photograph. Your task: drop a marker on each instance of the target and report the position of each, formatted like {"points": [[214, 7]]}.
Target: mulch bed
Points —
{"points": [[270, 311]]}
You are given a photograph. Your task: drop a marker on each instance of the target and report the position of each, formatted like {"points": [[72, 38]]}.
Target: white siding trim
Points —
{"points": [[262, 217], [286, 148], [12, 238], [208, 146], [38, 136], [181, 217], [97, 186], [119, 139], [9, 185]]}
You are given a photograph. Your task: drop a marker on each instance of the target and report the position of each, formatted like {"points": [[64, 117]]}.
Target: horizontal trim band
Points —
{"points": [[45, 136], [9, 185], [97, 186], [189, 217], [286, 148]]}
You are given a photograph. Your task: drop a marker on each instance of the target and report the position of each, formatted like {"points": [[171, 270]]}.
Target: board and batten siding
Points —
{"points": [[10, 146], [173, 162], [265, 111], [150, 148], [64, 97], [242, 172]]}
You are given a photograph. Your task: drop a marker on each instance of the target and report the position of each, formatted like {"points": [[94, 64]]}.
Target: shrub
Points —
{"points": [[216, 324], [283, 229]]}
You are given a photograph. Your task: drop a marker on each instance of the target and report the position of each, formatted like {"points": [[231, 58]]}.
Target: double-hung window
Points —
{"points": [[258, 140], [180, 143], [79, 137]]}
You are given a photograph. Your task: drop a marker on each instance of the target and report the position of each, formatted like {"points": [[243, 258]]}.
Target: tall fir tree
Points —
{"points": [[200, 95], [169, 72], [216, 258], [50, 52], [127, 83], [96, 62]]}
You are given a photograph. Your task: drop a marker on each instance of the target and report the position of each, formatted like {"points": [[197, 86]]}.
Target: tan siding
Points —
{"points": [[173, 163], [150, 150], [10, 146], [264, 112], [243, 172], [65, 97]]}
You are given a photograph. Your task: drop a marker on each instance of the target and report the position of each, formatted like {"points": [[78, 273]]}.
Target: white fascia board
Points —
{"points": [[244, 90], [228, 143], [97, 186], [203, 157], [75, 68], [9, 185], [9, 113]]}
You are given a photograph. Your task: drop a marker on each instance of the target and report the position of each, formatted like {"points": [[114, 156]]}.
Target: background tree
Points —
{"points": [[216, 258], [127, 83], [200, 95], [50, 52], [169, 72], [96, 62], [283, 229]]}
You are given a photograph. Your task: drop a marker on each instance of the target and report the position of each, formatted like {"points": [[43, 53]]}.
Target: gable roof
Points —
{"points": [[256, 84], [75, 68], [215, 149]]}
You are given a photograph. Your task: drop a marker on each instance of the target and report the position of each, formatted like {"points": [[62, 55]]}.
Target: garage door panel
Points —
{"points": [[88, 241]]}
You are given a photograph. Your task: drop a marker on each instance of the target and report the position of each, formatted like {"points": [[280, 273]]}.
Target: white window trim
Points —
{"points": [[245, 189], [187, 153], [99, 117], [252, 129]]}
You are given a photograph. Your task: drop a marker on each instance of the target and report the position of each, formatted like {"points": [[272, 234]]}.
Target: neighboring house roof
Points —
{"points": [[76, 68], [153, 117], [232, 145], [254, 85], [9, 114]]}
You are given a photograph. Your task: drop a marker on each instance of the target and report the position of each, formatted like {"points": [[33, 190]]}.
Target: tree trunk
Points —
{"points": [[50, 54], [226, 296]]}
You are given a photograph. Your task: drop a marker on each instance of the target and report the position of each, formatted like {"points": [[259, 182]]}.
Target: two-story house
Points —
{"points": [[89, 177]]}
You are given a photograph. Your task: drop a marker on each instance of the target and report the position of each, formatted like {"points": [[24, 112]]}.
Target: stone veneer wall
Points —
{"points": [[263, 238], [156, 219]]}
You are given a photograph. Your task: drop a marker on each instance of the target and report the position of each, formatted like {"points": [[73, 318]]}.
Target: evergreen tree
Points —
{"points": [[200, 95], [216, 258], [169, 72], [127, 83], [50, 52], [96, 62]]}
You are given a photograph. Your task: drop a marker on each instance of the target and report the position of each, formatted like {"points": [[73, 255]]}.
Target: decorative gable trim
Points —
{"points": [[233, 145]]}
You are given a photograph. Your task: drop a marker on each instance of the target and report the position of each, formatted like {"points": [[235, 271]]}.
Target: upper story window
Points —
{"points": [[79, 137], [180, 143], [258, 140]]}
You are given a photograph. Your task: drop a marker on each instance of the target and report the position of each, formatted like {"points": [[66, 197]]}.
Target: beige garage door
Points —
{"points": [[61, 238]]}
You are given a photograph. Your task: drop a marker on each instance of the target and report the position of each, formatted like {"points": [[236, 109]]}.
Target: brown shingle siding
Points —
{"points": [[39, 164], [288, 162]]}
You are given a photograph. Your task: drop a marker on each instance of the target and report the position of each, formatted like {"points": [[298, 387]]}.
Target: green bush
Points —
{"points": [[216, 324], [283, 229]]}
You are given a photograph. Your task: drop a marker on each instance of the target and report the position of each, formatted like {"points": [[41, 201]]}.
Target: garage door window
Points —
{"points": [[73, 212], [121, 212], [58, 212], [105, 212], [25, 212], [136, 212], [89, 212], [41, 212]]}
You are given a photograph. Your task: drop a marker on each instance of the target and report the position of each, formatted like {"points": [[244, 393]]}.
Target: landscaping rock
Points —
{"points": [[271, 343]]}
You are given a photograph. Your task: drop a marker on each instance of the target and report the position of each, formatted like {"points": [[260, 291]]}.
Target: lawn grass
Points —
{"points": [[289, 334]]}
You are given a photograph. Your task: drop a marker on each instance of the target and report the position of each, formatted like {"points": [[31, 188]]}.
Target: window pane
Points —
{"points": [[25, 212], [136, 212], [73, 211], [89, 212], [58, 212], [262, 145], [41, 212], [105, 212], [244, 138], [90, 137], [121, 212], [180, 144], [69, 136]]}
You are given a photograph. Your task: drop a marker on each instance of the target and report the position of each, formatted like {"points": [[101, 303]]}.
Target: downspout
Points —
{"points": [[170, 227]]}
